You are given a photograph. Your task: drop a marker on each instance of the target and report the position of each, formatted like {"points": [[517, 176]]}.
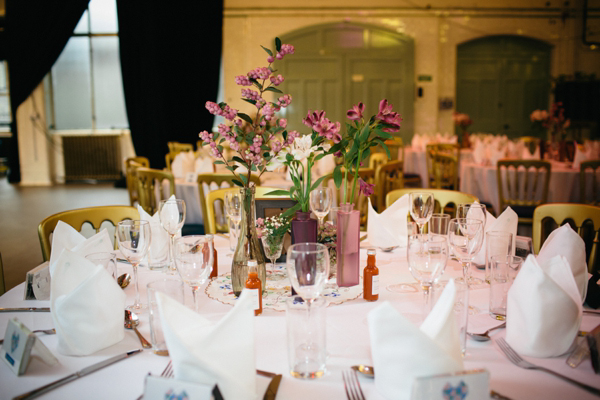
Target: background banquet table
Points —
{"points": [[347, 344], [415, 161]]}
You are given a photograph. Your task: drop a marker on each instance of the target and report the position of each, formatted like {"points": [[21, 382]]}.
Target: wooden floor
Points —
{"points": [[22, 209]]}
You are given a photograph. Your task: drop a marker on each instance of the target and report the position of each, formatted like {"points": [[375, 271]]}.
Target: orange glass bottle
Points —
{"points": [[215, 269], [371, 278], [254, 285]]}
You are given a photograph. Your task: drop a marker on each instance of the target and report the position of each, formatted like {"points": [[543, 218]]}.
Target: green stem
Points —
{"points": [[345, 190], [356, 174]]}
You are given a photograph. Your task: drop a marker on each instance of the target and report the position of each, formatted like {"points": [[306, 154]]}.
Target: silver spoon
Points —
{"points": [[123, 280], [45, 331], [388, 249], [484, 337], [365, 370], [131, 322]]}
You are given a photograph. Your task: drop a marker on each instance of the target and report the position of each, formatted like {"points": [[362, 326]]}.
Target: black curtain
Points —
{"points": [[170, 61], [36, 33]]}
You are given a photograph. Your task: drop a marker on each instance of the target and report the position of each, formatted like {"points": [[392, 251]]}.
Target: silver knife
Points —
{"points": [[25, 309], [272, 389], [86, 371]]}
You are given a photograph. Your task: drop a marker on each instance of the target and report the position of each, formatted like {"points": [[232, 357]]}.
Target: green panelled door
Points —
{"points": [[500, 81]]}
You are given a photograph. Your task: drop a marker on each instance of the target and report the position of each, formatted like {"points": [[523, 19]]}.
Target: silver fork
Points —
{"points": [[516, 359], [352, 386]]}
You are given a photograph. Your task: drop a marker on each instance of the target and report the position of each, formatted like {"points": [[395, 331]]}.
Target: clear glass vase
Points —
{"points": [[348, 246], [248, 246]]}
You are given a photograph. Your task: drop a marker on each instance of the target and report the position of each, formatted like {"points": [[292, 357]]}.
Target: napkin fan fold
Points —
{"points": [[388, 229]]}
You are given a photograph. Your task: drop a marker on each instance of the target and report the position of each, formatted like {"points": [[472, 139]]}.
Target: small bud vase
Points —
{"points": [[348, 246]]}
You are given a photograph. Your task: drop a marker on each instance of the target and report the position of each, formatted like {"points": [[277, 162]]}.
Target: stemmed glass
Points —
{"points": [[427, 258], [466, 236], [421, 207], [472, 211], [233, 208], [273, 245], [194, 260], [133, 238], [172, 216], [308, 269], [320, 202]]}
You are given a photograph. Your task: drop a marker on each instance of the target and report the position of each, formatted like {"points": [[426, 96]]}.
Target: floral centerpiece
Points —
{"points": [[556, 124], [354, 147], [255, 140], [463, 121]]}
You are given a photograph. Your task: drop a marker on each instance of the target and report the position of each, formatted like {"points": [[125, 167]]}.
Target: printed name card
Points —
{"points": [[191, 177], [21, 345], [159, 388], [37, 283], [467, 385]]}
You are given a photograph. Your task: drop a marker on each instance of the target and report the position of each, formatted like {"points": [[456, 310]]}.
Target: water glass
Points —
{"points": [[107, 259], [427, 258], [461, 311], [308, 269], [497, 243], [306, 344], [173, 289], [438, 224], [504, 270], [194, 260], [320, 202]]}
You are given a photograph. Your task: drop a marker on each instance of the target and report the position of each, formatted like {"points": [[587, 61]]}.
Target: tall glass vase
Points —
{"points": [[248, 246], [348, 246]]}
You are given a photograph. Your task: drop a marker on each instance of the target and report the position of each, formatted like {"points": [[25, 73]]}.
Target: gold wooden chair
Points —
{"points": [[442, 161], [445, 200], [176, 147], [219, 179], [520, 191], [377, 159], [585, 219], [216, 198], [2, 283], [76, 218], [388, 177], [150, 183], [131, 165], [360, 202], [396, 147], [594, 165]]}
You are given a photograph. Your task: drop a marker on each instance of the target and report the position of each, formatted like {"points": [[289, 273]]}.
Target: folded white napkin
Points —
{"points": [[389, 228], [183, 163], [208, 353], [508, 221], [566, 242], [479, 156], [543, 310], [87, 306], [204, 165], [67, 237], [581, 155], [402, 352], [526, 154], [159, 245]]}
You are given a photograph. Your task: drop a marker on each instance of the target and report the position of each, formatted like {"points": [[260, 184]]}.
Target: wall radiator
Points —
{"points": [[92, 157]]}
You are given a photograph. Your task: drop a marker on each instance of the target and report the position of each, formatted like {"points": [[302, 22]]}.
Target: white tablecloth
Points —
{"points": [[347, 344], [482, 181]]}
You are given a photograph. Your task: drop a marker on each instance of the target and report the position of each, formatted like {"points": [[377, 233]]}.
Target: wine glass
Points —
{"points": [[421, 207], [427, 258], [133, 238], [472, 211], [320, 202], [172, 216], [194, 260], [308, 269], [466, 237], [273, 245], [233, 208]]}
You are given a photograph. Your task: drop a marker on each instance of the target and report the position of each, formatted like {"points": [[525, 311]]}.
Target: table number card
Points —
{"points": [[19, 344], [473, 384], [191, 177], [159, 388]]}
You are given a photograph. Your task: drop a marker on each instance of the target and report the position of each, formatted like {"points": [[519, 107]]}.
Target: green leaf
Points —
{"points": [[265, 147], [387, 151], [249, 140], [220, 148], [284, 135], [279, 192], [317, 158], [244, 178], [257, 84], [364, 133], [291, 211], [245, 117], [337, 176], [273, 89], [222, 140], [253, 168], [253, 102], [269, 52], [239, 159], [222, 104], [236, 182], [317, 183], [278, 44], [289, 157], [267, 155], [218, 162]]}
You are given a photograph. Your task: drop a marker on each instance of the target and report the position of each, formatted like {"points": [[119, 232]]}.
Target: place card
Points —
{"points": [[191, 177], [21, 346], [472, 384], [523, 246], [37, 283], [160, 388]]}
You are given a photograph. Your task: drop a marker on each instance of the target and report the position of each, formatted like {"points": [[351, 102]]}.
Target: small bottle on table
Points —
{"points": [[371, 278], [254, 285]]}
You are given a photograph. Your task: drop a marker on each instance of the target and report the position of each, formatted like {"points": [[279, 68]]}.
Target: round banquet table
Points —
{"points": [[415, 162], [347, 344]]}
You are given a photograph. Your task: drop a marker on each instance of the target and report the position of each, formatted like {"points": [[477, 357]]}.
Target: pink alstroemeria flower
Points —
{"points": [[365, 188], [388, 116], [356, 112], [323, 126]]}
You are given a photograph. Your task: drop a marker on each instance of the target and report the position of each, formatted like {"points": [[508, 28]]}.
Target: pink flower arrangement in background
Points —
{"points": [[255, 140], [461, 119], [553, 120]]}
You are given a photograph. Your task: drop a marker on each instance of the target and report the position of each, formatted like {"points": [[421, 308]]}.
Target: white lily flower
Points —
{"points": [[301, 148], [278, 161]]}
